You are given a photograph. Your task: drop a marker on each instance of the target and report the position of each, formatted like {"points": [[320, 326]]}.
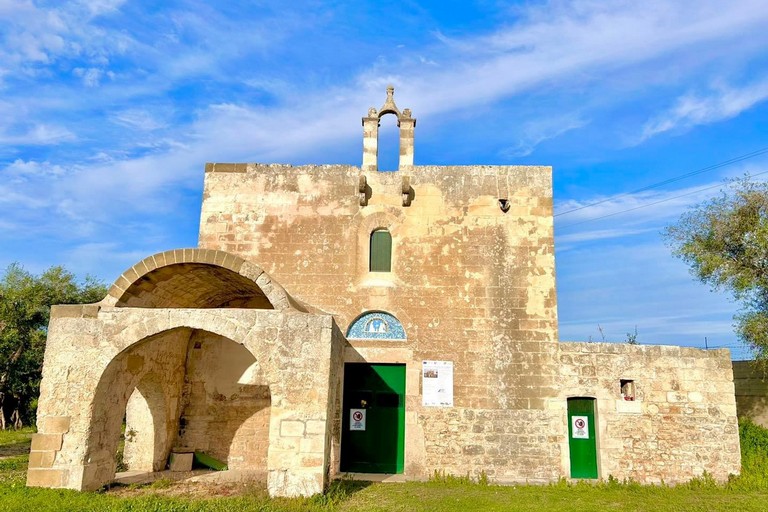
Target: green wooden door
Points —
{"points": [[373, 421], [581, 437]]}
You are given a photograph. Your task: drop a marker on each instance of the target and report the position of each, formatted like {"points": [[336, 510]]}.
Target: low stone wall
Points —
{"points": [[751, 383], [682, 421]]}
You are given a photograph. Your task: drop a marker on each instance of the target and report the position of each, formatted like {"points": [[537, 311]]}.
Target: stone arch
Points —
{"points": [[146, 431], [198, 278], [405, 122], [204, 320], [141, 364], [156, 364]]}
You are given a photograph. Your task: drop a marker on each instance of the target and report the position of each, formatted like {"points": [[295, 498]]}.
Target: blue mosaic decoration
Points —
{"points": [[376, 325]]}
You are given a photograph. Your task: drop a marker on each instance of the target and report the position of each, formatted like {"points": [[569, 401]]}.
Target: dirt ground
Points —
{"points": [[197, 484]]}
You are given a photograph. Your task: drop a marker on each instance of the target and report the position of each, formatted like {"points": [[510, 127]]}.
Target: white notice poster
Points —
{"points": [[357, 419], [580, 427], [437, 383]]}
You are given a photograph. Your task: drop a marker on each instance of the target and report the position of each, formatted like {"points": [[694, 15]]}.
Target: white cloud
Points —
{"points": [[38, 135], [21, 169], [535, 132], [651, 206], [694, 109], [90, 76], [137, 119]]}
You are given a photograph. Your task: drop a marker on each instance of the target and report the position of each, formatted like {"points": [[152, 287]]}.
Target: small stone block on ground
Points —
{"points": [[181, 461]]}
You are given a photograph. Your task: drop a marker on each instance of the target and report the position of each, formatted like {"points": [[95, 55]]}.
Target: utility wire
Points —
{"points": [[740, 158], [649, 204]]}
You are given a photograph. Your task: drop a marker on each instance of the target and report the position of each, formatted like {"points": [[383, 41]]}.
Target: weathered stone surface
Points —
{"points": [[46, 442], [181, 461], [46, 478], [682, 423], [751, 385]]}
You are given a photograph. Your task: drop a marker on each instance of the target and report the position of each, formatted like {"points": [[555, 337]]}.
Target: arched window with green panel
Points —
{"points": [[381, 251]]}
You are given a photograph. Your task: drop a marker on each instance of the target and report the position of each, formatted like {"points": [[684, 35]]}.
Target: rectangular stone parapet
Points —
{"points": [[223, 167]]}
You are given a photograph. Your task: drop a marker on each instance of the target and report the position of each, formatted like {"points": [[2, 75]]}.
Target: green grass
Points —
{"points": [[745, 493], [11, 437]]}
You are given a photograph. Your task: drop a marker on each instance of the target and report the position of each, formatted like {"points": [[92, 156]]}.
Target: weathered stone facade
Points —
{"points": [[751, 384], [472, 282]]}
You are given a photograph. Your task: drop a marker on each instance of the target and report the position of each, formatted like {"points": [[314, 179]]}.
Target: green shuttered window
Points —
{"points": [[381, 251]]}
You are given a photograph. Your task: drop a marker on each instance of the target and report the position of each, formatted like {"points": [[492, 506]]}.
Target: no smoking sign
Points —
{"points": [[357, 419], [580, 427]]}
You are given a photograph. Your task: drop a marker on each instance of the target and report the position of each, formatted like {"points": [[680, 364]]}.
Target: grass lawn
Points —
{"points": [[748, 492]]}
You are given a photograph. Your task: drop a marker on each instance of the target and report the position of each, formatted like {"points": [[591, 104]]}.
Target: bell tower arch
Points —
{"points": [[371, 123]]}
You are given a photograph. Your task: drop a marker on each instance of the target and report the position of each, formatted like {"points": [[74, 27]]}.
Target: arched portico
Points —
{"points": [[198, 278], [147, 337]]}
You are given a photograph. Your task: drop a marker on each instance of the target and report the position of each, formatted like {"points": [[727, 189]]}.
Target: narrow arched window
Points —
{"points": [[381, 251]]}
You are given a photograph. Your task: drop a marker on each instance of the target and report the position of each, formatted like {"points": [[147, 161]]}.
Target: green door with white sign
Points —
{"points": [[373, 421], [581, 437]]}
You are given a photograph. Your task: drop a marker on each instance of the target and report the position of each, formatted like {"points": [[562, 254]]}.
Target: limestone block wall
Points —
{"points": [[506, 445], [84, 393], [472, 283], [681, 423], [454, 250], [96, 356], [226, 403], [152, 409], [751, 384]]}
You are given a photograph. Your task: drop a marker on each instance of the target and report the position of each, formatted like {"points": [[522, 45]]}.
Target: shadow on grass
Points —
{"points": [[15, 449], [340, 490]]}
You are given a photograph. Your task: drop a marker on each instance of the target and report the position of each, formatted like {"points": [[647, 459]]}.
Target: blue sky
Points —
{"points": [[109, 110]]}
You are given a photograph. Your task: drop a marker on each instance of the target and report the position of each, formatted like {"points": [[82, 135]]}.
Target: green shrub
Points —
{"points": [[754, 457]]}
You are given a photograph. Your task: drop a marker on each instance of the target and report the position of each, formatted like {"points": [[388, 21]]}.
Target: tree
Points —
{"points": [[25, 305], [725, 242]]}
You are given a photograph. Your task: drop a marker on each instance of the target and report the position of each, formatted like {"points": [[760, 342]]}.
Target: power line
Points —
{"points": [[734, 160], [649, 204]]}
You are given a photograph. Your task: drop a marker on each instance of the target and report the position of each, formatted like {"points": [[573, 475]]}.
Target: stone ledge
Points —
{"points": [[629, 406], [75, 311], [214, 167]]}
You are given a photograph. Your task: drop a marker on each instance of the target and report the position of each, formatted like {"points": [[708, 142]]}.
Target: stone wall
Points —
{"points": [[226, 403], [751, 383], [472, 283], [681, 422], [508, 446]]}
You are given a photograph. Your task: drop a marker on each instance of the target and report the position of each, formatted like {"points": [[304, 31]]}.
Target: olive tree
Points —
{"points": [[725, 243], [25, 305]]}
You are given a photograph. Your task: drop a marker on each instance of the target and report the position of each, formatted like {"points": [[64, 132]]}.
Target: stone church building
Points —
{"points": [[337, 319]]}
